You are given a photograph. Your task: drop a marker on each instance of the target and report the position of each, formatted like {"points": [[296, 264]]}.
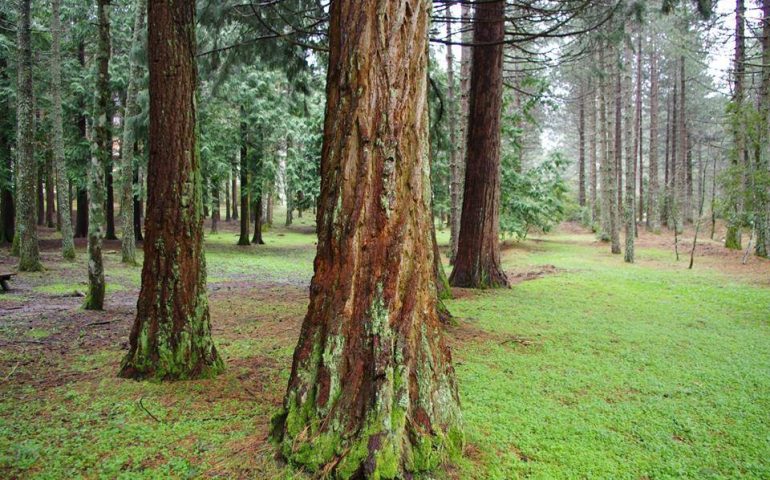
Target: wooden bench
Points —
{"points": [[4, 277]]}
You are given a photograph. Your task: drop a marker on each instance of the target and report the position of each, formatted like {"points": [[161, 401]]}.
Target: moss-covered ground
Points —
{"points": [[586, 368]]}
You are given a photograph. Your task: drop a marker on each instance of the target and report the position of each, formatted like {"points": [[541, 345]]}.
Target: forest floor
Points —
{"points": [[586, 368]]}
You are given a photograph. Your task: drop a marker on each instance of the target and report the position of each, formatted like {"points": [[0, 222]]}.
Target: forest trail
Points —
{"points": [[585, 367]]}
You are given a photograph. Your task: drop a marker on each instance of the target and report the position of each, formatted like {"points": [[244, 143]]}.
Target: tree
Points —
{"points": [[454, 159], [629, 210], [62, 187], [734, 220], [653, 212], [128, 239], [477, 263], [372, 393], [243, 240], [26, 231], [100, 156], [171, 335]]}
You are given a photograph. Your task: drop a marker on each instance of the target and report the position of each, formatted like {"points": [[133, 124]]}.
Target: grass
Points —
{"points": [[596, 370]]}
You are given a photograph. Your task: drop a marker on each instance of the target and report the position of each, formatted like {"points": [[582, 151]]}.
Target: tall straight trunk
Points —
{"points": [[629, 121], [269, 207], [592, 144], [40, 191], [128, 240], [101, 154], [171, 336], [256, 239], [7, 177], [582, 144], [616, 161], [26, 230], [671, 184], [653, 212], [639, 168], [372, 392], [454, 158], [62, 185], [50, 211], [138, 203], [462, 135], [234, 193], [110, 200], [762, 248], [605, 143], [734, 223], [680, 178], [228, 212], [477, 263], [243, 240]]}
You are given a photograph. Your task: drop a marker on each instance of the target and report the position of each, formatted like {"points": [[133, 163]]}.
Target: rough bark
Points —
{"points": [[582, 144], [228, 212], [256, 239], [40, 175], [26, 230], [615, 162], [234, 193], [734, 224], [372, 393], [50, 210], [763, 165], [629, 210], [138, 204], [477, 263], [605, 146], [680, 177], [215, 207], [454, 158], [109, 211], [653, 212], [462, 116], [62, 187], [171, 336], [128, 239], [101, 152], [592, 144], [639, 168]]}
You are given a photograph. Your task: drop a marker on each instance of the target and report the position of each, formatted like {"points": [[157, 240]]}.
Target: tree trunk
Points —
{"points": [[50, 211], [629, 210], [680, 178], [763, 193], [228, 212], [62, 187], [454, 160], [40, 203], [592, 134], [101, 155], [653, 212], [171, 336], [257, 238], [734, 223], [138, 204], [215, 207], [26, 230], [582, 144], [639, 168], [477, 263], [128, 240], [234, 193], [605, 147], [372, 393], [615, 161], [671, 184], [110, 202], [243, 240]]}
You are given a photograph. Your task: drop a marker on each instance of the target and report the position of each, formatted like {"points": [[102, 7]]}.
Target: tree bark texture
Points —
{"points": [[26, 229], [582, 144], [171, 336], [372, 393], [762, 248], [243, 240], [653, 209], [454, 159], [477, 263], [629, 210], [615, 162], [734, 224]]}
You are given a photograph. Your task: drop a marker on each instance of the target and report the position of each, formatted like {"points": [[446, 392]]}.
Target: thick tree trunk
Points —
{"points": [[372, 393], [734, 223], [62, 187], [128, 240], [171, 336], [477, 263], [243, 240], [256, 239], [26, 230], [653, 212], [101, 155], [763, 194]]}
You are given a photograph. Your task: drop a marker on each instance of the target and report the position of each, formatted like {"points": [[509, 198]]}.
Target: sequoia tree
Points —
{"points": [[477, 262], [26, 231], [171, 336], [372, 392]]}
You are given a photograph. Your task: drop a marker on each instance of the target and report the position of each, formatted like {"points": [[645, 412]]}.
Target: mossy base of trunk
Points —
{"points": [[183, 362], [733, 238]]}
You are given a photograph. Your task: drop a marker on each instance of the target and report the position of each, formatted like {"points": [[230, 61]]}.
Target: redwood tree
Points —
{"points": [[477, 262], [171, 336], [372, 392]]}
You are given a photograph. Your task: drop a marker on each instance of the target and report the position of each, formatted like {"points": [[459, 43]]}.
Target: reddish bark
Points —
{"points": [[477, 262]]}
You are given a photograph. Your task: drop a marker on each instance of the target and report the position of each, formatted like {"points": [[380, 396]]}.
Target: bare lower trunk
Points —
{"points": [[629, 210], [243, 240], [171, 335], [372, 393], [653, 212], [734, 223], [615, 162], [454, 158], [477, 263]]}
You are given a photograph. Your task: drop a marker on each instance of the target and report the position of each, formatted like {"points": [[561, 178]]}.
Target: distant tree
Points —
{"points": [[171, 335], [351, 410]]}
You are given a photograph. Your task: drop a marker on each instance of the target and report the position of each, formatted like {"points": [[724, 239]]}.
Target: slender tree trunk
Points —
{"points": [[62, 188], [269, 209], [101, 154], [257, 238], [653, 212], [110, 201], [454, 159], [582, 144], [372, 393], [671, 184], [616, 193], [592, 143], [138, 203], [477, 263], [50, 211], [234, 193], [40, 174], [605, 147], [245, 219], [171, 336], [462, 134], [762, 193], [639, 168], [680, 178], [629, 210], [26, 230], [734, 223], [228, 212], [128, 240], [215, 207]]}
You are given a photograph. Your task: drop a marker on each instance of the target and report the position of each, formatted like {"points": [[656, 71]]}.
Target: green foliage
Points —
{"points": [[532, 199]]}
